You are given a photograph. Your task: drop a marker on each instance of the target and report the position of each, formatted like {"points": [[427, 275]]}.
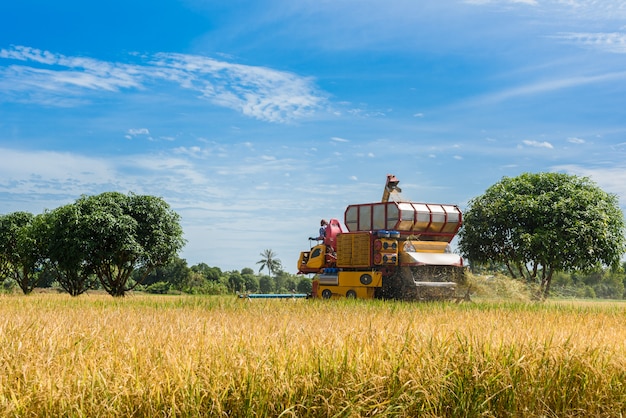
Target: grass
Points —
{"points": [[189, 356]]}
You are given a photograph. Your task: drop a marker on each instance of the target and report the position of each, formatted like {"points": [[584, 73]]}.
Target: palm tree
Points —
{"points": [[269, 261]]}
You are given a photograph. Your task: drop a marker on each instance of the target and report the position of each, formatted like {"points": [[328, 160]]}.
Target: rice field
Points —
{"points": [[187, 356]]}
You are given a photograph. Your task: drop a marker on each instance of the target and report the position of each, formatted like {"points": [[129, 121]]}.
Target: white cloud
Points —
{"points": [[193, 151], [43, 173], [575, 140], [67, 72], [537, 144], [337, 139], [606, 41], [132, 133], [480, 2], [52, 173], [542, 87], [579, 9], [258, 92], [140, 131]]}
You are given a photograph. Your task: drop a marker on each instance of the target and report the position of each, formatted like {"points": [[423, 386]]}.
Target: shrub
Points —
{"points": [[158, 288]]}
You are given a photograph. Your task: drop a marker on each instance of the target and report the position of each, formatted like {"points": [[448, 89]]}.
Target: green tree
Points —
{"points": [[21, 248], [623, 270], [269, 262], [5, 266], [174, 273], [290, 284], [67, 249], [213, 274], [127, 232], [283, 281], [266, 284], [236, 283], [610, 285], [251, 283], [46, 277], [538, 224], [195, 283], [305, 285], [160, 288], [250, 280]]}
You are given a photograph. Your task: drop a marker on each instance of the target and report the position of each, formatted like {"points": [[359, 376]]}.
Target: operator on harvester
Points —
{"points": [[322, 234], [328, 234]]}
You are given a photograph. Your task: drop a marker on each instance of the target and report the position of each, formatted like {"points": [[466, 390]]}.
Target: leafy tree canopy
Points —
{"points": [[20, 248], [210, 273], [66, 250], [127, 232], [538, 224]]}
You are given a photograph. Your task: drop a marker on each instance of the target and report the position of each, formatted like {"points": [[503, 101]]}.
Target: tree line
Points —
{"points": [[117, 243], [199, 279], [204, 279], [97, 241]]}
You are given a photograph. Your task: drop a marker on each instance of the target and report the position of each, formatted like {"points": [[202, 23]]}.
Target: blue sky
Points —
{"points": [[254, 119]]}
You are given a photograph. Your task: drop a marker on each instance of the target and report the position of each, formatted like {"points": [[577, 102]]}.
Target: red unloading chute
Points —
{"points": [[330, 238]]}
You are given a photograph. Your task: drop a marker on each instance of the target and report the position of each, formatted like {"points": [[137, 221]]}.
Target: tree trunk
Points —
{"points": [[508, 266], [23, 280], [548, 281]]}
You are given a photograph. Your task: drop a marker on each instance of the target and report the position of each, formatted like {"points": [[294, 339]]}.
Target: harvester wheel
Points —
{"points": [[366, 279], [326, 294], [351, 294]]}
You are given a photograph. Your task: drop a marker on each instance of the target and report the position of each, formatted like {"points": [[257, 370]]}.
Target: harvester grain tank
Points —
{"points": [[392, 249]]}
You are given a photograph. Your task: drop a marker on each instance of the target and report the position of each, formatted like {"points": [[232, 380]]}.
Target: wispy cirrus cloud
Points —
{"points": [[56, 72], [134, 132], [583, 9], [138, 131], [54, 175], [537, 144], [614, 42], [575, 140], [531, 2], [258, 92], [58, 176], [547, 86]]}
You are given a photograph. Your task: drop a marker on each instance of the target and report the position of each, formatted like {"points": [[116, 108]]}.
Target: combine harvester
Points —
{"points": [[393, 249]]}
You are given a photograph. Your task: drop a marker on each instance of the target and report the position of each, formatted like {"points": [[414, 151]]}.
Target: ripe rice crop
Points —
{"points": [[187, 356]]}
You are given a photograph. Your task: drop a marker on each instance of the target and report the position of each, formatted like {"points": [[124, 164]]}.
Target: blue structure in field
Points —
{"points": [[273, 295]]}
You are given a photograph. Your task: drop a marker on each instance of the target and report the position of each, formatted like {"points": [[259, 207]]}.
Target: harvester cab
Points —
{"points": [[323, 254]]}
